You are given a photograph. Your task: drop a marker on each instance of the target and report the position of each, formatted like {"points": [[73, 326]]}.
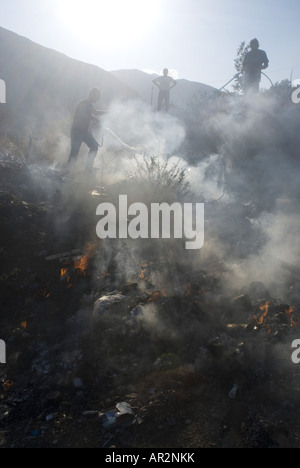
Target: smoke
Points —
{"points": [[150, 319], [240, 158], [154, 297], [245, 170], [253, 227], [207, 178], [131, 130]]}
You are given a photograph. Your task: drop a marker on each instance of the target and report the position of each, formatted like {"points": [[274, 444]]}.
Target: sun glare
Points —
{"points": [[117, 22]]}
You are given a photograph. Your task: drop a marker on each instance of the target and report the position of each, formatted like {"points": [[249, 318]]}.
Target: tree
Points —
{"points": [[238, 65]]}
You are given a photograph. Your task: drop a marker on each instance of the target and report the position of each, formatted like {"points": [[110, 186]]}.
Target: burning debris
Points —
{"points": [[265, 310], [137, 343], [65, 277], [83, 263]]}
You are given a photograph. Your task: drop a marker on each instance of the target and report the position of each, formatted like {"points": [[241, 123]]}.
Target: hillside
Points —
{"points": [[43, 86]]}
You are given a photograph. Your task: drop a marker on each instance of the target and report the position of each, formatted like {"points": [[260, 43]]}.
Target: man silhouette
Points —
{"points": [[254, 62], [165, 83], [81, 133]]}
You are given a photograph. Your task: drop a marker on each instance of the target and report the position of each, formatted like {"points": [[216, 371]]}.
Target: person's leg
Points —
{"points": [[256, 84], [160, 100], [167, 101], [93, 145], [251, 85], [76, 141]]}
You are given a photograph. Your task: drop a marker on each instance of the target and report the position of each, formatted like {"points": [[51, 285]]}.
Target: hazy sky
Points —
{"points": [[197, 38]]}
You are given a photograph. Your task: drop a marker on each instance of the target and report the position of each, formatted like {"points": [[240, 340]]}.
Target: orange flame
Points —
{"points": [[44, 293], [157, 296], [7, 385], [265, 310], [82, 264], [143, 270], [290, 313], [64, 273], [65, 276]]}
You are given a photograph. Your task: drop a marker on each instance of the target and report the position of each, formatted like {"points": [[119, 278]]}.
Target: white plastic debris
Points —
{"points": [[124, 408], [105, 302]]}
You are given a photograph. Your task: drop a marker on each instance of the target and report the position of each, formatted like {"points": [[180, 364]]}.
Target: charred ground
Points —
{"points": [[197, 346]]}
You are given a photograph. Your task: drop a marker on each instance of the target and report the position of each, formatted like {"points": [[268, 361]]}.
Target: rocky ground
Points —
{"points": [[106, 349]]}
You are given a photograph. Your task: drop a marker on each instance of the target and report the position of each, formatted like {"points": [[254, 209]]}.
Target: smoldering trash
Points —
{"points": [[138, 343]]}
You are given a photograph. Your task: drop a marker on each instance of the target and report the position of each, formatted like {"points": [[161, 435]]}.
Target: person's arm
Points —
{"points": [[156, 82], [265, 62], [173, 84]]}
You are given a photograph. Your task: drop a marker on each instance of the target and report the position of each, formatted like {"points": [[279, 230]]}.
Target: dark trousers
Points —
{"points": [[164, 98], [251, 83], [77, 138]]}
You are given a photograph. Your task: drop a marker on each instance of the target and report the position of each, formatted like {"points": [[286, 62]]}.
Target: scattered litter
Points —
{"points": [[123, 414], [124, 408], [233, 391], [108, 419], [50, 417]]}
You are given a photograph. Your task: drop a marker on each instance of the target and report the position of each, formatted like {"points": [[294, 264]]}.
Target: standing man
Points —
{"points": [[254, 62], [81, 133], [165, 83]]}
